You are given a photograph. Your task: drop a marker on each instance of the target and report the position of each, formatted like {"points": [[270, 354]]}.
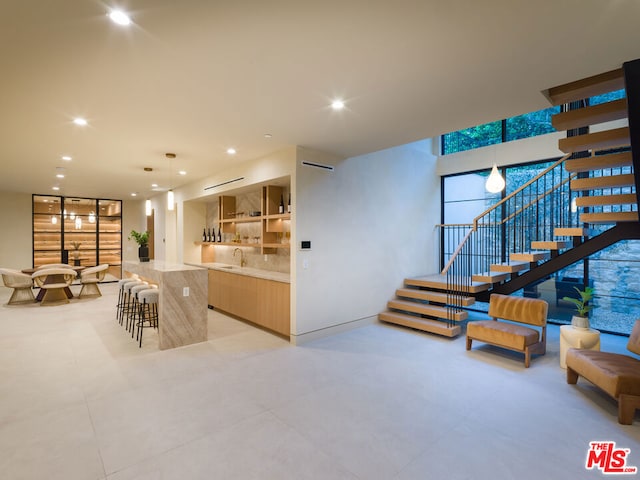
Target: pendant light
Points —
{"points": [[170, 199], [495, 182]]}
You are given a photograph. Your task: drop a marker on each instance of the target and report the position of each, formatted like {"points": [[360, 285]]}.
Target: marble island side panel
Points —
{"points": [[182, 319]]}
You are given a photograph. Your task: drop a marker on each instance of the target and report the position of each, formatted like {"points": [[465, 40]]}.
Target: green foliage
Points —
{"points": [[142, 239], [581, 304]]}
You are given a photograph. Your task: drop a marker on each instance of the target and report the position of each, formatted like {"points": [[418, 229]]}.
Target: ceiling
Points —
{"points": [[195, 77]]}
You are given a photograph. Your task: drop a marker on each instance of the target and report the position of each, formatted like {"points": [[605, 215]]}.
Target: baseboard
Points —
{"points": [[333, 330]]}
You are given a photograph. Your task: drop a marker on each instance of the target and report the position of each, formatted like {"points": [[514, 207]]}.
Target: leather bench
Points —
{"points": [[520, 336], [617, 375]]}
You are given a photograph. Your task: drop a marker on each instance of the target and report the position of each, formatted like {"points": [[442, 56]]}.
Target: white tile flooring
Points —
{"points": [[79, 400]]}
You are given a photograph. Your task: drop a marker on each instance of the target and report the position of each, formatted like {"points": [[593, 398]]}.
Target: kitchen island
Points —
{"points": [[182, 305]]}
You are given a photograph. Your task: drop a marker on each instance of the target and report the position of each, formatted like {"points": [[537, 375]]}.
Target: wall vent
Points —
{"points": [[224, 183], [328, 168]]}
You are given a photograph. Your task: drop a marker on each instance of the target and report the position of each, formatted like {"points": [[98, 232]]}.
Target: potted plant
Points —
{"points": [[581, 320], [142, 239]]}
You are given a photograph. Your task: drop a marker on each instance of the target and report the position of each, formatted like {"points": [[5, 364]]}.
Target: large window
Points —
{"points": [[514, 128]]}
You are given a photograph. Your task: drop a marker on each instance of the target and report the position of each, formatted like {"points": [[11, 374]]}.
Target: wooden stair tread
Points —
{"points": [[530, 256], [599, 162], [586, 87], [490, 277], [572, 232], [424, 324], [592, 115], [550, 245], [436, 297], [624, 180], [510, 267], [617, 137], [439, 282], [620, 199], [427, 309], [609, 217]]}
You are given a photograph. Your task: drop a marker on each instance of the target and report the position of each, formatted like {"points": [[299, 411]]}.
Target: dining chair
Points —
{"points": [[21, 283], [89, 279], [54, 281]]}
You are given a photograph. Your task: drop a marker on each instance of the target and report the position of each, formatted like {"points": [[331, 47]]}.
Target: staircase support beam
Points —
{"points": [[632, 86], [622, 231]]}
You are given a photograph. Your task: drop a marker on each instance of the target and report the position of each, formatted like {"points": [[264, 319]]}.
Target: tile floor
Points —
{"points": [[80, 400]]}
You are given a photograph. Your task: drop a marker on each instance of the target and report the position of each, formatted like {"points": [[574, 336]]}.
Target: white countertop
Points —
{"points": [[250, 272], [161, 266]]}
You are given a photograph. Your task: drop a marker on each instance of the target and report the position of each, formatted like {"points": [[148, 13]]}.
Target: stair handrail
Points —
{"points": [[487, 212], [519, 190]]}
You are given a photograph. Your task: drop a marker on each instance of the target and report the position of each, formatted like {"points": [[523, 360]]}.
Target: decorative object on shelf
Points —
{"points": [[281, 206], [581, 320], [76, 253], [142, 239], [495, 183], [289, 204]]}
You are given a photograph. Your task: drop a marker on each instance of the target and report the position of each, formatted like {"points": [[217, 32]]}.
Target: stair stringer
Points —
{"points": [[621, 231]]}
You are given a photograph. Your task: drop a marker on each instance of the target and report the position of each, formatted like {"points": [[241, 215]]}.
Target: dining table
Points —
{"points": [[53, 279]]}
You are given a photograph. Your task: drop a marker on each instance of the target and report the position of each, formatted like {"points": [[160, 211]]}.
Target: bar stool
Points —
{"points": [[122, 297], [148, 304], [135, 304], [128, 305]]}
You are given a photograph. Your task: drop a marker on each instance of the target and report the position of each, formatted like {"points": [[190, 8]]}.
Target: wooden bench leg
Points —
{"points": [[469, 340], [627, 405], [527, 359], [572, 376]]}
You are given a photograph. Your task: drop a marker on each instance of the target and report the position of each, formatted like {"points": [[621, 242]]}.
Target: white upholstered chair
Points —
{"points": [[21, 283], [55, 282], [89, 279]]}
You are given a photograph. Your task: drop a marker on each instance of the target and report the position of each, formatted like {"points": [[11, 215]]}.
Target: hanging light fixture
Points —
{"points": [[147, 207], [54, 219], [92, 217], [495, 182], [574, 205], [78, 223], [170, 199]]}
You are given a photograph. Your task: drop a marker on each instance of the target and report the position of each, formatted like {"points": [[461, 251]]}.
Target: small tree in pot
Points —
{"points": [[142, 239], [581, 320]]}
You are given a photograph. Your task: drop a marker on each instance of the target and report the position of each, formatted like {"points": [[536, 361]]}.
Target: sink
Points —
{"points": [[229, 267]]}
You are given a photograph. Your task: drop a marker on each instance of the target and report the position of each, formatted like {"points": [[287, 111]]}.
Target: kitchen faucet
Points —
{"points": [[242, 262]]}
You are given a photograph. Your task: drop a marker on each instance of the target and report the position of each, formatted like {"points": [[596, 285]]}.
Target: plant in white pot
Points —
{"points": [[142, 239], [581, 319]]}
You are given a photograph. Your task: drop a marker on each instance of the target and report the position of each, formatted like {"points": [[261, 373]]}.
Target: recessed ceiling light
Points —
{"points": [[154, 185], [66, 158], [337, 104], [182, 172], [80, 121], [267, 135], [60, 175], [231, 151], [134, 194], [119, 17], [55, 188]]}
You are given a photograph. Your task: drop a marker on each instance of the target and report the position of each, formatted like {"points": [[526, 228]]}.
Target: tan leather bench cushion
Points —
{"points": [[612, 372], [502, 333], [519, 309]]}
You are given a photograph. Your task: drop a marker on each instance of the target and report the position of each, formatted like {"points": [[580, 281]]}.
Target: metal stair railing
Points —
{"points": [[528, 214]]}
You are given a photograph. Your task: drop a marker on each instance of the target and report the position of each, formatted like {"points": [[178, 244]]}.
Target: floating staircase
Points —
{"points": [[592, 204]]}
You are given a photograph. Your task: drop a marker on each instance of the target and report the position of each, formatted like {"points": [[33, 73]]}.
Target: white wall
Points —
{"points": [[510, 153], [133, 218], [371, 224], [16, 241]]}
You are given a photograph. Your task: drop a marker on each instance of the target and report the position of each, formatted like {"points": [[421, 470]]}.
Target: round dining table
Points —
{"points": [[52, 279]]}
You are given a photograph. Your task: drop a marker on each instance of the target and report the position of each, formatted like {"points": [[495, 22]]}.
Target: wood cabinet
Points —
{"points": [[260, 301]]}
